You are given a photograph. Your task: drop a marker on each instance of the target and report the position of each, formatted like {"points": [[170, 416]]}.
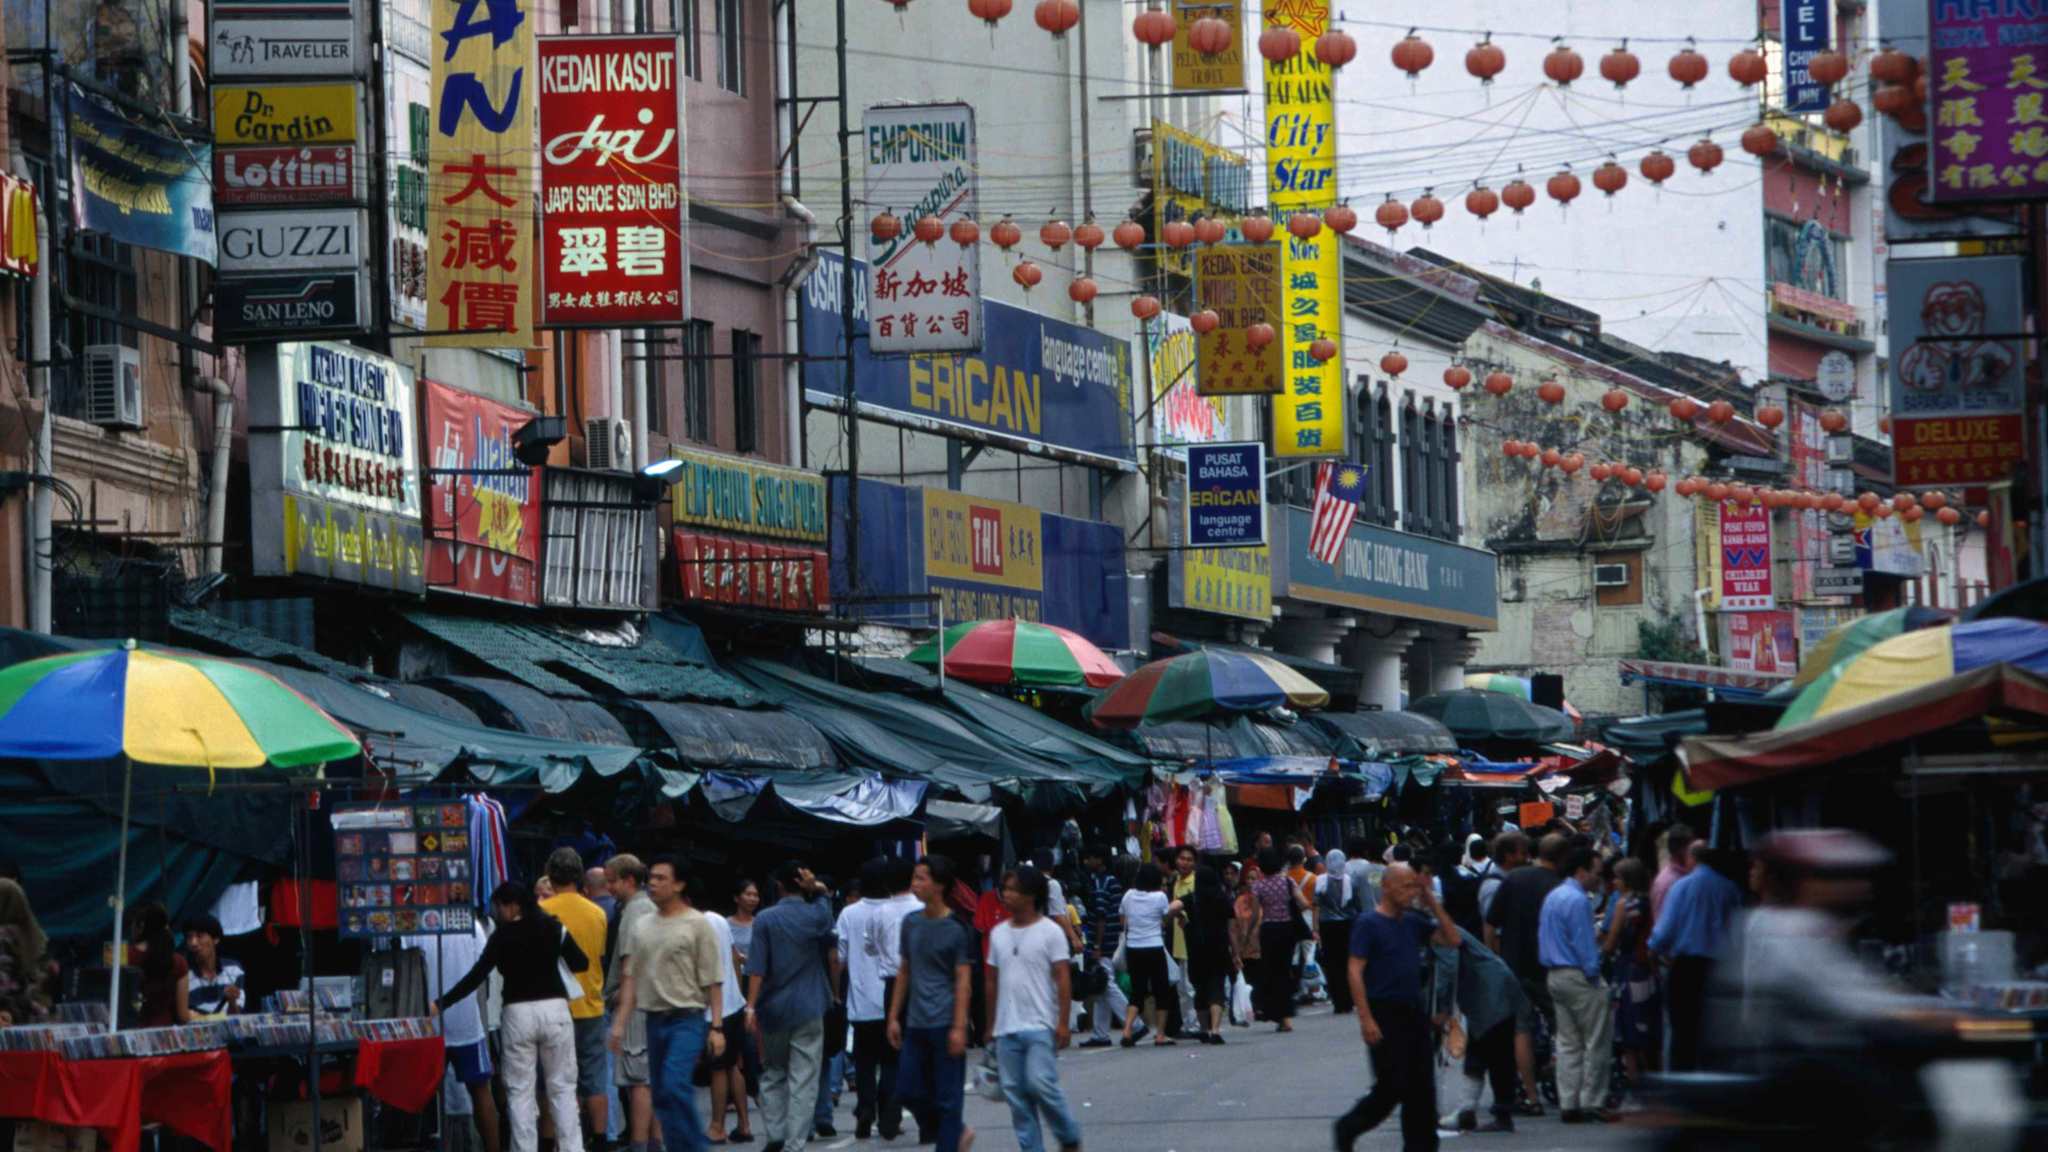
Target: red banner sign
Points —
{"points": [[1745, 557], [611, 181], [315, 174], [753, 574], [483, 506], [1764, 642]]}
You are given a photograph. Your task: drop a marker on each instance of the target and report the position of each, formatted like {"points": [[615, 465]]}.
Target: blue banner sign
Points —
{"points": [[1036, 383], [1226, 503], [138, 185], [1381, 570], [1805, 27]]}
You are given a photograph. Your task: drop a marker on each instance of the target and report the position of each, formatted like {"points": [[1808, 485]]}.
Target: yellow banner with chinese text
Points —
{"points": [[480, 165], [1301, 176], [1195, 70], [980, 541], [1228, 581], [1192, 178], [1241, 284]]}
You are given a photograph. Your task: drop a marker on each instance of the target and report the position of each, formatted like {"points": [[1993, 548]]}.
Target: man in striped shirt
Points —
{"points": [[1104, 930]]}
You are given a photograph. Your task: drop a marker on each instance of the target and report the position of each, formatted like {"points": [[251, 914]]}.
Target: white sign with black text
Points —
{"points": [[292, 240]]}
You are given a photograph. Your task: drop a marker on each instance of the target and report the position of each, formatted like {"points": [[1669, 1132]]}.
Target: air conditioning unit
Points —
{"points": [[113, 386], [608, 445], [1610, 575]]}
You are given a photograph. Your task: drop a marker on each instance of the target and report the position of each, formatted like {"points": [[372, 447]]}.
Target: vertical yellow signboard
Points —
{"points": [[481, 162], [1301, 176]]}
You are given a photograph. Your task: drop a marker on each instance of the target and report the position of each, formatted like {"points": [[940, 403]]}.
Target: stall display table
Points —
{"points": [[187, 1093], [402, 1073]]}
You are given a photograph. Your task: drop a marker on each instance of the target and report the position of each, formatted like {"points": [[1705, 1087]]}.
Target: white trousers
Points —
{"points": [[541, 1030], [1585, 1040]]}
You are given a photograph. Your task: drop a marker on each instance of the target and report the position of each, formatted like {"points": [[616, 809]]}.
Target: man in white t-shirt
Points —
{"points": [[728, 1076], [1030, 992], [867, 940], [462, 1023]]}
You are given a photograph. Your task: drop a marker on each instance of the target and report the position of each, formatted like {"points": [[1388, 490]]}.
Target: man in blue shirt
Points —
{"points": [[1386, 985], [791, 972], [1570, 953], [1692, 932]]}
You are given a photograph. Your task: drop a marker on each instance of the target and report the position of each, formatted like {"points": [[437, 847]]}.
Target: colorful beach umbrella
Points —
{"points": [[1858, 635], [1516, 686], [1915, 659], [172, 709], [1202, 683], [1019, 652]]}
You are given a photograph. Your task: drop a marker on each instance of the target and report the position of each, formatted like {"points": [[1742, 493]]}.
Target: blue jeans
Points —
{"points": [[1031, 1083], [831, 1074], [674, 1042], [932, 1082]]}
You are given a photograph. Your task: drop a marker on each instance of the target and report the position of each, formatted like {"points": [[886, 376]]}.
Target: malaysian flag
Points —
{"points": [[1338, 487]]}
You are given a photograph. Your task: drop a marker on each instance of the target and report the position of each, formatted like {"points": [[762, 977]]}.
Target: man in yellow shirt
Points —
{"points": [[1183, 889], [586, 924]]}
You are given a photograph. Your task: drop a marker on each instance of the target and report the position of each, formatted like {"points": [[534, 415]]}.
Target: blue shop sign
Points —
{"points": [[1226, 504], [1381, 570], [985, 559], [1805, 25], [1036, 383]]}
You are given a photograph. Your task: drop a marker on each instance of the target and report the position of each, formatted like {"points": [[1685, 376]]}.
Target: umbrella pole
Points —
{"points": [[120, 899]]}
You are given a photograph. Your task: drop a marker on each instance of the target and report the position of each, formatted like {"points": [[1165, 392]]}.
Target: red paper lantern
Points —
{"points": [[1211, 231], [1868, 501], [1089, 235], [1843, 116], [1304, 225], [1482, 201], [1006, 235], [1153, 27], [1759, 140], [1742, 493], [885, 227], [1393, 363], [1257, 229], [1498, 383], [1688, 67], [1563, 187], [1684, 409], [1341, 218], [1749, 68], [1655, 481], [1834, 420], [1894, 100], [1129, 234], [1657, 167], [1518, 195], [1426, 210], [1058, 16], [1456, 377], [1177, 233], [1948, 516], [1614, 400], [1572, 463], [1563, 66], [1391, 214], [1336, 48], [1720, 411], [1324, 350], [1912, 514], [1027, 274], [1770, 416], [1610, 178], [1904, 500], [1832, 502], [1620, 66], [1055, 234], [1633, 477], [1891, 66], [1485, 60], [1204, 322], [1552, 457], [1551, 392], [1934, 501], [1884, 512], [1412, 54], [966, 233], [1602, 471], [1984, 519], [1827, 67], [1210, 36], [1717, 491], [1884, 425], [1705, 155], [1144, 307], [1920, 89], [989, 12], [1259, 336], [1081, 290], [929, 229], [1279, 44], [1511, 449]]}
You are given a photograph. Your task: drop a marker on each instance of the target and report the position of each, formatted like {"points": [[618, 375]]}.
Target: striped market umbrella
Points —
{"points": [[1916, 659], [1202, 683], [1859, 635], [172, 709], [1019, 652]]}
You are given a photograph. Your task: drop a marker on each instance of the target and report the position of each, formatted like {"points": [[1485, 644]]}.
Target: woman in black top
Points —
{"points": [[1210, 955], [535, 1026]]}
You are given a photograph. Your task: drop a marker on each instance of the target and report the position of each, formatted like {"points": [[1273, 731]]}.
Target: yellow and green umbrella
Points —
{"points": [[1857, 636], [158, 707], [1915, 659]]}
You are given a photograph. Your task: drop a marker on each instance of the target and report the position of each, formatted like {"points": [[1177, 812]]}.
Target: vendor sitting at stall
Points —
{"points": [[213, 983]]}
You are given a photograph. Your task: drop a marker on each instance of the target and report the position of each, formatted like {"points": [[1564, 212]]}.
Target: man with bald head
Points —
{"points": [[1386, 984]]}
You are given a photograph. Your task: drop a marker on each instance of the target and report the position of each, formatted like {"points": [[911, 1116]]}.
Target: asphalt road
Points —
{"points": [[1260, 1092]]}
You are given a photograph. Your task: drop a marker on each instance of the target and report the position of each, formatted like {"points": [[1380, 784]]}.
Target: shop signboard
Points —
{"points": [[136, 185], [282, 115], [300, 39], [259, 309], [1181, 415], [403, 870], [1809, 449], [1910, 210], [1838, 582], [1193, 178], [1381, 570], [483, 505], [1037, 384], [408, 97], [334, 485], [308, 174], [921, 162], [1987, 71], [1197, 71], [1301, 176], [1765, 642], [1226, 496], [480, 169], [1804, 24], [1887, 545], [1223, 581], [737, 495], [1745, 558], [292, 240], [1241, 284], [1957, 375], [612, 221], [19, 212], [713, 568]]}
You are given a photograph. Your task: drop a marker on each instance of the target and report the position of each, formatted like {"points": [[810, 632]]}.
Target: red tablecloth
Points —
{"points": [[187, 1093], [402, 1073]]}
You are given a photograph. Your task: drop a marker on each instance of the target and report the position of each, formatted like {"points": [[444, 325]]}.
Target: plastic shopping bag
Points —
{"points": [[1240, 1001]]}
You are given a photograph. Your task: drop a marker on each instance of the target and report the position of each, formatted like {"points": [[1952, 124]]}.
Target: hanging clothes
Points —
{"points": [[1226, 828], [488, 860]]}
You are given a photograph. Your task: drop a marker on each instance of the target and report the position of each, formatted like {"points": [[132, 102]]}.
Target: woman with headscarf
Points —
{"points": [[24, 960], [1211, 951], [1336, 904]]}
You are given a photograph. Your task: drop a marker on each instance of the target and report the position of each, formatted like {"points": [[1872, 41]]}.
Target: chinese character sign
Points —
{"points": [[1988, 75], [1805, 26], [1195, 70], [1301, 176], [1745, 557], [1241, 284], [480, 174], [483, 507], [611, 146], [920, 162], [1956, 388]]}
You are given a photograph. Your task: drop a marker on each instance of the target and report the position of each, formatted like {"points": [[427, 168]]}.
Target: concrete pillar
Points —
{"points": [[1452, 653], [1307, 633], [1376, 653]]}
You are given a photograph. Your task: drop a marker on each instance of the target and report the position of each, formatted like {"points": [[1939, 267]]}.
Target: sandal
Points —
{"points": [[1165, 1042]]}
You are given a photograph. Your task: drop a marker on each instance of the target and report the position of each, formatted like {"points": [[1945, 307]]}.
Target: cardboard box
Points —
{"points": [[341, 1123], [36, 1136]]}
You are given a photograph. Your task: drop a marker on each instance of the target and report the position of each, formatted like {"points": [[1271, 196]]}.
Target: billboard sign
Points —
{"points": [[292, 240], [1956, 391], [483, 506], [1381, 570], [1226, 496], [286, 175], [716, 569], [282, 115], [1804, 24], [408, 96], [300, 39], [1301, 176], [137, 185], [1765, 642], [255, 309], [1987, 68], [1240, 283], [1196, 71], [1223, 581], [480, 172], [1745, 552], [921, 162], [748, 497], [1181, 415], [611, 182], [1192, 177]]}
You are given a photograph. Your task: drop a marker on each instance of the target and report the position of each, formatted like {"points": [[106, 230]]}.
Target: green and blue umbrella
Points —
{"points": [[1202, 683]]}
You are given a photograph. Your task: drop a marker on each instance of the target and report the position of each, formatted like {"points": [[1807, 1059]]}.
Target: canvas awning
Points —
{"points": [[568, 666], [1728, 681], [710, 738], [861, 800], [1385, 735]]}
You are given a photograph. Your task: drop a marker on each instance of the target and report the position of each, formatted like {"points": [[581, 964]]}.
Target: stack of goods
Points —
{"points": [[44, 1037], [203, 1037]]}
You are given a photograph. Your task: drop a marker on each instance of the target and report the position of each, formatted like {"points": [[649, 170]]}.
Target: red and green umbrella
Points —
{"points": [[1202, 683], [1019, 652]]}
